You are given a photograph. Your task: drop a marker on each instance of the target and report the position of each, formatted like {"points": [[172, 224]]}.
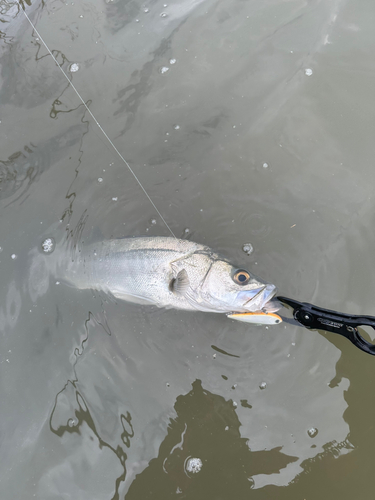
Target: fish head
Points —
{"points": [[229, 288]]}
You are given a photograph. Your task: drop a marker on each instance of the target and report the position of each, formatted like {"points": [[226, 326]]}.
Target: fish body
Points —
{"points": [[168, 272]]}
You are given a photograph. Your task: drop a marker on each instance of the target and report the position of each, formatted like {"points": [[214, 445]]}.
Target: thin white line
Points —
{"points": [[97, 123]]}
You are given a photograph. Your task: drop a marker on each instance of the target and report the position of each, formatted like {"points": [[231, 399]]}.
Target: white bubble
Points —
{"points": [[153, 221], [172, 61], [235, 404], [100, 179], [115, 198], [81, 16], [72, 422], [74, 67], [163, 14], [176, 127], [164, 69], [186, 230], [265, 165], [14, 256], [48, 245], [146, 9], [263, 385], [1, 249], [194, 465], [312, 432], [308, 71], [248, 248]]}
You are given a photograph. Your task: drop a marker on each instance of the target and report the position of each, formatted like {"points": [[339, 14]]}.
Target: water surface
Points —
{"points": [[246, 122]]}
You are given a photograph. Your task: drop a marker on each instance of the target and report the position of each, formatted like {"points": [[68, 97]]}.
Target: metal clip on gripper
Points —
{"points": [[317, 318]]}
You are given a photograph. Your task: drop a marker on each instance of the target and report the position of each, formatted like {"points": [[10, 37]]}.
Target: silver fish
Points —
{"points": [[168, 272]]}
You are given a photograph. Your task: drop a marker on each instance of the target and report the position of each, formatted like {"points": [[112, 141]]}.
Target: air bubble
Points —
{"points": [[115, 198], [146, 9], [263, 385], [153, 222], [164, 69], [308, 71], [176, 127], [14, 256], [172, 61], [164, 15], [265, 165], [193, 465], [48, 245], [100, 179], [312, 432], [81, 16], [74, 67], [72, 422], [248, 248], [186, 231]]}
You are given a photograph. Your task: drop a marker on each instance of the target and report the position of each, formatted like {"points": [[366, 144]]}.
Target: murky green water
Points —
{"points": [[246, 122]]}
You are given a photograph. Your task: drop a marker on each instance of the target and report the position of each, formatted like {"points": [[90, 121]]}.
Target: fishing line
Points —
{"points": [[96, 121]]}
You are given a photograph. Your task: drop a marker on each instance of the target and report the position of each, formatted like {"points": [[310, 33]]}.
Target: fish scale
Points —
{"points": [[146, 270]]}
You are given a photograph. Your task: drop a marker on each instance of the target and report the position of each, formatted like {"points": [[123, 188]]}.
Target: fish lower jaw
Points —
{"points": [[271, 306]]}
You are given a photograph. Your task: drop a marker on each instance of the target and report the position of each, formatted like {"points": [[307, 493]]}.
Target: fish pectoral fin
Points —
{"points": [[180, 284]]}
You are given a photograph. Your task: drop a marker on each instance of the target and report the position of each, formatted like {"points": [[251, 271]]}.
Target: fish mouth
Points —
{"points": [[260, 299]]}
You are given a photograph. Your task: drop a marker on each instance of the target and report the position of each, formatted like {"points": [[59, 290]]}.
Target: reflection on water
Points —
{"points": [[206, 426], [25, 167], [248, 123]]}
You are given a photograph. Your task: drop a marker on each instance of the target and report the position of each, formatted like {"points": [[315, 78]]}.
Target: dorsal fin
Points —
{"points": [[180, 284]]}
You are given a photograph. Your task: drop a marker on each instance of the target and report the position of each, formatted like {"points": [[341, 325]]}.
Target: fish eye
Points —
{"points": [[241, 277]]}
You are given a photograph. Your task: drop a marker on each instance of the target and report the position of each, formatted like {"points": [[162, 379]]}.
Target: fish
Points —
{"points": [[169, 273]]}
